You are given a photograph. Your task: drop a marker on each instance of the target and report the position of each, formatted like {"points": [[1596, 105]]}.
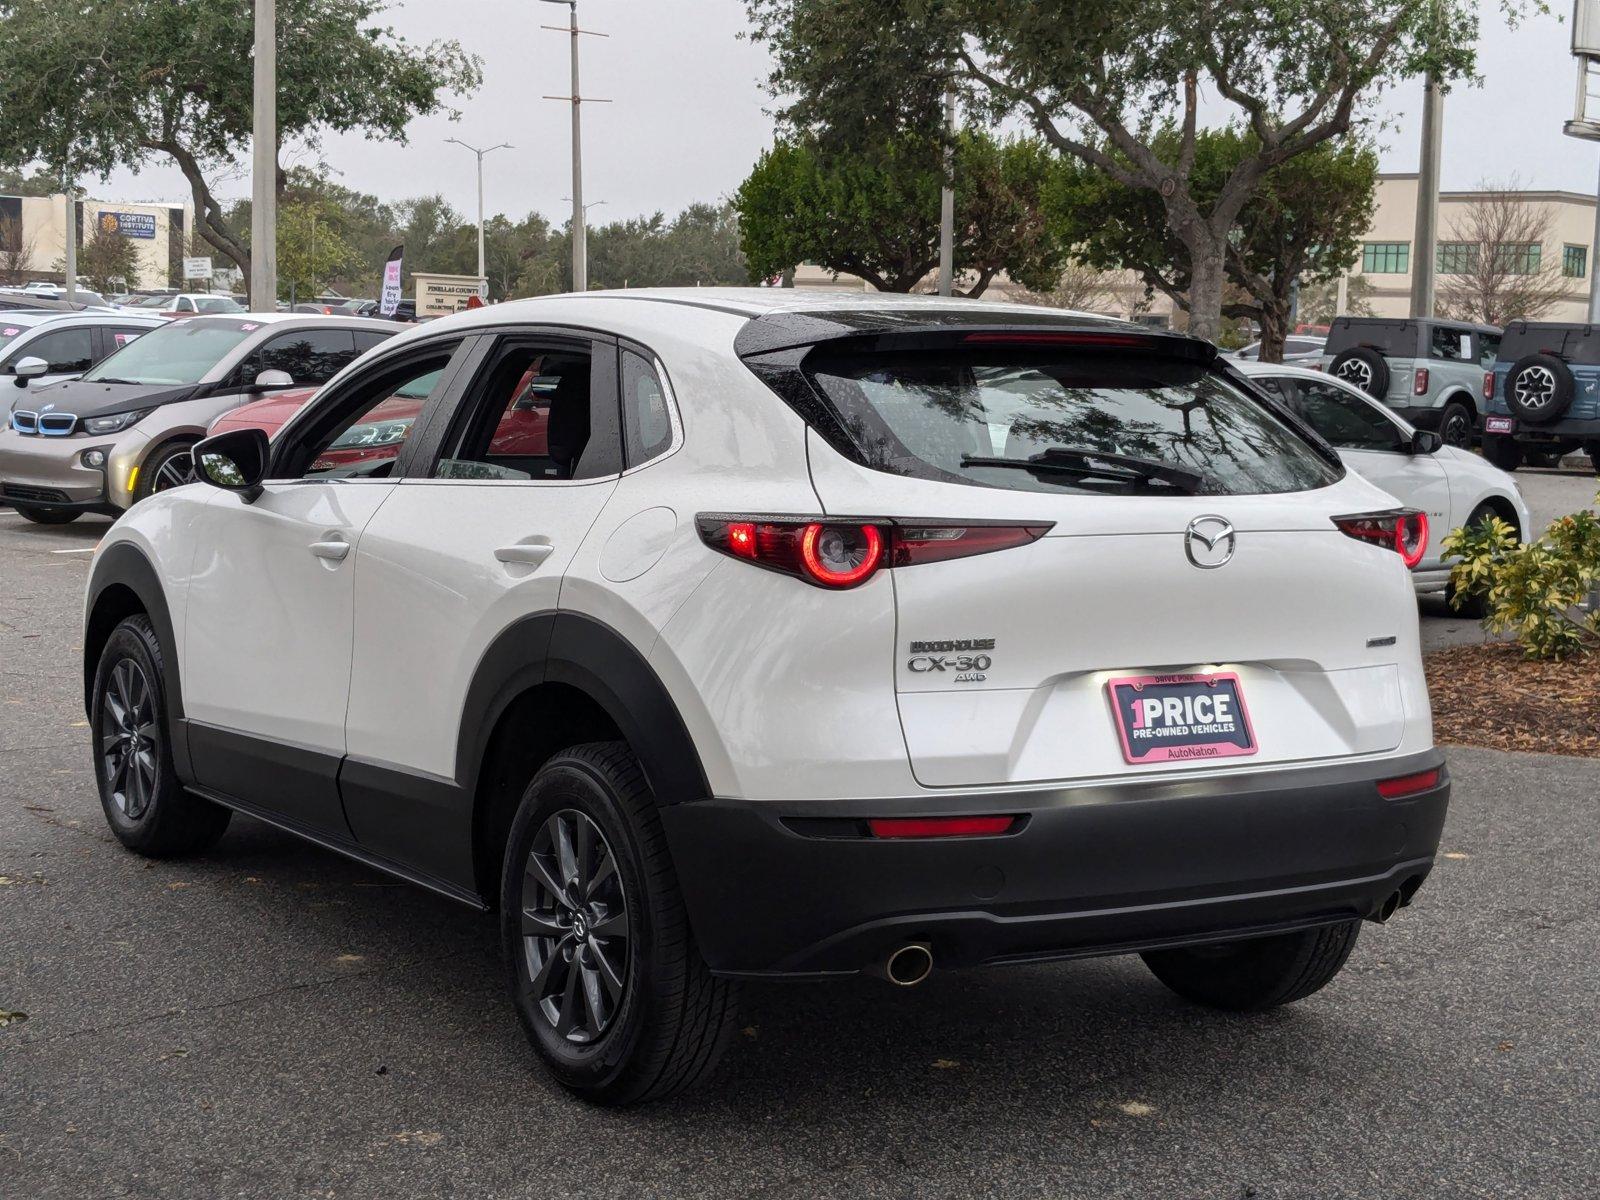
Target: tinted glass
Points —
{"points": [[1343, 420], [1396, 338], [1451, 345], [179, 353], [927, 413], [530, 419], [68, 351], [1575, 343], [367, 444], [1488, 349], [366, 339], [9, 333], [646, 421], [310, 356]]}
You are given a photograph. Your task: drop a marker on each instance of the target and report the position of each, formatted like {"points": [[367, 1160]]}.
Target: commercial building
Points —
{"points": [[33, 243]]}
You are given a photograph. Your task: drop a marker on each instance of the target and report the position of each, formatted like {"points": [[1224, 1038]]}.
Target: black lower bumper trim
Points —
{"points": [[1094, 870]]}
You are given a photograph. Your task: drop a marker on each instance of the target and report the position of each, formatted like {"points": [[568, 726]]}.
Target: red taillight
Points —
{"points": [[1408, 785], [845, 553], [937, 827], [1420, 388], [1488, 385], [1403, 530]]}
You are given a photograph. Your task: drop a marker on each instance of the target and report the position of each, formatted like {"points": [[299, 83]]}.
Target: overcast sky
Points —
{"points": [[687, 115]]}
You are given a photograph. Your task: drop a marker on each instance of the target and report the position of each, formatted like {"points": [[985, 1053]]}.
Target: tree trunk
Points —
{"points": [[1274, 328], [1205, 289]]}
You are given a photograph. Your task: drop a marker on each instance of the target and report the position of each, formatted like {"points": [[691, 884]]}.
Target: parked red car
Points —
{"points": [[378, 438]]}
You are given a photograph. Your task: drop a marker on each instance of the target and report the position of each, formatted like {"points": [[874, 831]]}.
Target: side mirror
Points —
{"points": [[235, 461], [29, 368], [1424, 441], [268, 380]]}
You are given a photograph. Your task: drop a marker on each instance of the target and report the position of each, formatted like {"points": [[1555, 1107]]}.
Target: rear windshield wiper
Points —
{"points": [[1125, 468]]}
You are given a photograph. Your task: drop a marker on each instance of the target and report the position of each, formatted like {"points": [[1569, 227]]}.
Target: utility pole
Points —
{"points": [[1426, 237], [947, 198], [480, 154], [1585, 121], [264, 163], [580, 249], [70, 187]]}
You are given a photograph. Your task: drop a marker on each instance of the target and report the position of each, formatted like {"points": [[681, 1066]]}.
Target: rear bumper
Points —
{"points": [[1568, 429], [791, 889]]}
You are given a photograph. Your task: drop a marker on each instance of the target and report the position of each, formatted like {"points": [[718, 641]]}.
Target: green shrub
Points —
{"points": [[1532, 590]]}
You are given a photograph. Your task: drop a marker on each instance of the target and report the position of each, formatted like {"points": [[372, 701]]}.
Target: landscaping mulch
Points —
{"points": [[1489, 695]]}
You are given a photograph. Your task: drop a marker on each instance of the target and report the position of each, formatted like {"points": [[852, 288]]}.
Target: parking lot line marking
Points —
{"points": [[77, 550]]}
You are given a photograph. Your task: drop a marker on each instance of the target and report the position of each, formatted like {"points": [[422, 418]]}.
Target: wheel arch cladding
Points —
{"points": [[550, 681], [124, 583]]}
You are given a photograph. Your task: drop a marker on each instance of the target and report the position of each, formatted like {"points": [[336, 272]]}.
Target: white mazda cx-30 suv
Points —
{"points": [[712, 635]]}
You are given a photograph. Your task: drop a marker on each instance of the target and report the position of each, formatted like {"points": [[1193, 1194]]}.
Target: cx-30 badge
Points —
{"points": [[1209, 541]]}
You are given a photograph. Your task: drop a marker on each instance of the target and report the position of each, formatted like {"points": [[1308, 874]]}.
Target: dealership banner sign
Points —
{"points": [[389, 299], [128, 225]]}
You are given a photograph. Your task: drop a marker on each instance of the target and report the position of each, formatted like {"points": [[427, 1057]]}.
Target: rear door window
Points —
{"points": [[1450, 345], [1343, 420], [310, 356], [1488, 349], [1054, 420]]}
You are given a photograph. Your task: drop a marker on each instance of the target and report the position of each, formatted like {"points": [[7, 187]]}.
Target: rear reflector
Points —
{"points": [[1408, 785], [936, 827]]}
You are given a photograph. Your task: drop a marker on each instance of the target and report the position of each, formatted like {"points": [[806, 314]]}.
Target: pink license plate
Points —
{"points": [[1499, 425], [1180, 718]]}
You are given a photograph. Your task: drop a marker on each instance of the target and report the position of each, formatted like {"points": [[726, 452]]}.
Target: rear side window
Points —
{"points": [[1488, 349], [310, 356], [1450, 345], [646, 420], [1052, 420], [1577, 344]]}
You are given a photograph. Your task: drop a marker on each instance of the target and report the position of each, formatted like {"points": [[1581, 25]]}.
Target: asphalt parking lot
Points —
{"points": [[272, 1020]]}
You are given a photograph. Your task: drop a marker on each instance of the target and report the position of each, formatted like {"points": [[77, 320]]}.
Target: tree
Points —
{"points": [[108, 262], [1305, 222], [311, 251], [16, 252], [1319, 300], [875, 212], [1096, 79], [39, 183], [1080, 287], [92, 87], [1492, 267]]}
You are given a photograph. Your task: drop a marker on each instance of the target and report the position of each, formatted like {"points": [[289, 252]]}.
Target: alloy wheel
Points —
{"points": [[1535, 387], [175, 472], [1457, 430], [574, 928], [1354, 371], [129, 742]]}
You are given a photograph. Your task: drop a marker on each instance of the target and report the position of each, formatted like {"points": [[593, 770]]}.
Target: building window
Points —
{"points": [[1386, 258], [1458, 258], [1517, 258], [1575, 261]]}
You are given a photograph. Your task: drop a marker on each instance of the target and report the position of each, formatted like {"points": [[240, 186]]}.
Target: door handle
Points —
{"points": [[334, 550], [527, 553]]}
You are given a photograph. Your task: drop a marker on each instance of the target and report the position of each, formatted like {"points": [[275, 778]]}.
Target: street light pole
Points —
{"points": [[947, 198], [580, 250], [480, 154], [70, 187], [1427, 228], [264, 163]]}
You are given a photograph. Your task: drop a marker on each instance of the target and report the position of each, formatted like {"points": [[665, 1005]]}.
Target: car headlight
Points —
{"points": [[114, 422]]}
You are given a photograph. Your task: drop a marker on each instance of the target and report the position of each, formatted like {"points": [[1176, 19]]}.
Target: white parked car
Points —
{"points": [[42, 347], [724, 634], [1453, 486]]}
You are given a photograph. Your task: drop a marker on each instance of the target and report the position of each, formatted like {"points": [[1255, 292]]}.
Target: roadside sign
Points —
{"points": [[389, 298], [197, 268]]}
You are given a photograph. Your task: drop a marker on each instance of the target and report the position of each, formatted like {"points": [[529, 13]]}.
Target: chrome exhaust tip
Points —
{"points": [[907, 966], [1386, 908]]}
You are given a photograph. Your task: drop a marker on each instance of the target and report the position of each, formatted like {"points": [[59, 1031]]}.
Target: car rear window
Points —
{"points": [[1396, 338], [1575, 343], [1047, 420]]}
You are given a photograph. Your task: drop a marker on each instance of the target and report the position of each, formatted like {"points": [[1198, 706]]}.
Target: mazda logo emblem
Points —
{"points": [[1209, 541]]}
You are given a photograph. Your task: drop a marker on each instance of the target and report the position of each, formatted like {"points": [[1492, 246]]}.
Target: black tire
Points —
{"points": [[1257, 974], [169, 467], [145, 804], [665, 1027], [1363, 368], [1456, 425], [1539, 388], [1477, 606], [48, 516], [1503, 451]]}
